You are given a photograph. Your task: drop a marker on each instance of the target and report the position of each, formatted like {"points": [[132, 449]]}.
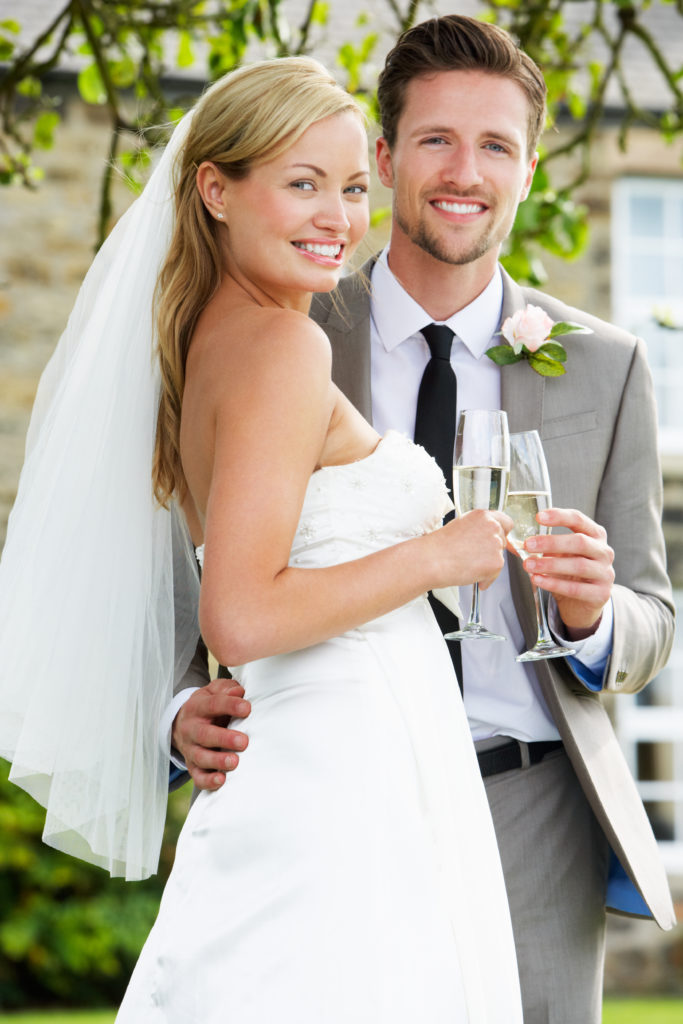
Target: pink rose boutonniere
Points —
{"points": [[530, 333]]}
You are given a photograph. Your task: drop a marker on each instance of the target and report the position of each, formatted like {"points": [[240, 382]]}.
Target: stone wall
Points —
{"points": [[641, 959], [46, 244]]}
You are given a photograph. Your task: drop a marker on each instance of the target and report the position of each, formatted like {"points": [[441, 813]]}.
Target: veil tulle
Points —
{"points": [[90, 633]]}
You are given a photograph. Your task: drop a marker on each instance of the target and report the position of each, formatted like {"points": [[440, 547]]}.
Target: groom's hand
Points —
{"points": [[202, 736], [576, 568]]}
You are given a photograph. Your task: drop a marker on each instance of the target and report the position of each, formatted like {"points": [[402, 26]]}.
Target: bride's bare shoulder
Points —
{"points": [[256, 358], [248, 336]]}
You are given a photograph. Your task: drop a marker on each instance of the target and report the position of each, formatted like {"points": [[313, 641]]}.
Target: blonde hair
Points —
{"points": [[251, 115]]}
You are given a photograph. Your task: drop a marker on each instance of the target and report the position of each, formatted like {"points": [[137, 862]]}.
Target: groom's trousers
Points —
{"points": [[555, 860]]}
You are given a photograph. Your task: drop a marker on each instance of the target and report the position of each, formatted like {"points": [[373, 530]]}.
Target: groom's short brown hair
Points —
{"points": [[457, 43]]}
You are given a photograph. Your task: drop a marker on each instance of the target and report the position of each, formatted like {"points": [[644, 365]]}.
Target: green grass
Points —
{"points": [[617, 1011], [643, 1011], [60, 1017]]}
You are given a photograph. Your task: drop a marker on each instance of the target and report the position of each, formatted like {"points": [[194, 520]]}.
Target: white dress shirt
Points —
{"points": [[502, 696]]}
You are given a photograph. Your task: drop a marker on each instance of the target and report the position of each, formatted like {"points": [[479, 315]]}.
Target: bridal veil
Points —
{"points": [[90, 633]]}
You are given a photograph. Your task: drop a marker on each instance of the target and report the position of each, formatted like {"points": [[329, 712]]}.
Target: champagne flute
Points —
{"points": [[480, 474], [529, 493]]}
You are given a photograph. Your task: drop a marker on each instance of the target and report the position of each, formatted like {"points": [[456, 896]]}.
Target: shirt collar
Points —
{"points": [[397, 316]]}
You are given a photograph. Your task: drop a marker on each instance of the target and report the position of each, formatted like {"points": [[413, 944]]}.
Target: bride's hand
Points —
{"points": [[472, 548]]}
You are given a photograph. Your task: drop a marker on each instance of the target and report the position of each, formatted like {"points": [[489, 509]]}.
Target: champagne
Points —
{"points": [[479, 487], [522, 507]]}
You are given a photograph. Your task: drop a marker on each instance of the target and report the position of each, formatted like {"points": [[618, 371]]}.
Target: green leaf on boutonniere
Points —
{"points": [[568, 327], [544, 365], [553, 351], [503, 355]]}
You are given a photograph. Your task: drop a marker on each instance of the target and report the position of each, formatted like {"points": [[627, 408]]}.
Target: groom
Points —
{"points": [[462, 110]]}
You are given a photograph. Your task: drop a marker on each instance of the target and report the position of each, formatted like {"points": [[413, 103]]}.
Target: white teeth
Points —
{"points": [[331, 251], [459, 207]]}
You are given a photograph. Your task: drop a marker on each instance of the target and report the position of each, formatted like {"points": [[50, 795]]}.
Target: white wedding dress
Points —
{"points": [[347, 871]]}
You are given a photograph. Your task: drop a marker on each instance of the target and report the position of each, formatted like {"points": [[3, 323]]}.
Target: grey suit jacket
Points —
{"points": [[598, 425]]}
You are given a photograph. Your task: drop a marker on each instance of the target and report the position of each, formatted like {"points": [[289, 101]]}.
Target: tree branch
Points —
{"points": [[18, 70], [86, 13], [105, 207], [592, 119], [305, 28], [668, 75]]}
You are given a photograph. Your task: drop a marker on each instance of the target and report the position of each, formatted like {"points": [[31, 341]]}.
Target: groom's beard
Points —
{"points": [[449, 244]]}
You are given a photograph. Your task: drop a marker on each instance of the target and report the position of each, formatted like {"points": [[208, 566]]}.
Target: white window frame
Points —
{"points": [[637, 312]]}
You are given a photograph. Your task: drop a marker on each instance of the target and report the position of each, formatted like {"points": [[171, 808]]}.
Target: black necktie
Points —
{"points": [[435, 419], [435, 431]]}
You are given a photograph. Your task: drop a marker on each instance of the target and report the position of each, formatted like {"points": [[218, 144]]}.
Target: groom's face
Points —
{"points": [[460, 166]]}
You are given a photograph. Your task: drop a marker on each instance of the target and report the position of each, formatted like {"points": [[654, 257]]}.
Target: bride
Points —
{"points": [[348, 871]]}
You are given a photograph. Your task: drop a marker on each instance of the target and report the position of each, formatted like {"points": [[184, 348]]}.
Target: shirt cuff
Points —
{"points": [[166, 724], [592, 654]]}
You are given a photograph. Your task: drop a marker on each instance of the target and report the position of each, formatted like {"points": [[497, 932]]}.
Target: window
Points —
{"points": [[647, 286]]}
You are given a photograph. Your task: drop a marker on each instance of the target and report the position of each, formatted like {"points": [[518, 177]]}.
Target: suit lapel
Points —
{"points": [[522, 390], [522, 397], [522, 394], [345, 318]]}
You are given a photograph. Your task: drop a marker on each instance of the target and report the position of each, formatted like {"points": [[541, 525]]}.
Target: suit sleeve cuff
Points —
{"points": [[589, 664], [165, 726]]}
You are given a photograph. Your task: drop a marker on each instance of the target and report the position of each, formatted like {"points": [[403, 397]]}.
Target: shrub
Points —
{"points": [[69, 933]]}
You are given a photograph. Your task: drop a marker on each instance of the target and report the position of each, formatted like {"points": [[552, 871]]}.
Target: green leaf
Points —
{"points": [[503, 355], [11, 25], [354, 58], [123, 72], [568, 327], [91, 86], [595, 71], [553, 351], [44, 129], [321, 13], [521, 265], [135, 159], [546, 367], [6, 49], [379, 215], [135, 163], [185, 53], [30, 87], [577, 105]]}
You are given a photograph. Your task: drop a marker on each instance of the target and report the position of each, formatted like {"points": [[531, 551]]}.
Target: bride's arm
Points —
{"points": [[270, 430]]}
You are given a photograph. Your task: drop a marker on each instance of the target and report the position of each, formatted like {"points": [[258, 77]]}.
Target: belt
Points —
{"points": [[514, 754]]}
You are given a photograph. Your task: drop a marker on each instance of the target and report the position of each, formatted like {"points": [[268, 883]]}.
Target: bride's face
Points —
{"points": [[294, 221]]}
